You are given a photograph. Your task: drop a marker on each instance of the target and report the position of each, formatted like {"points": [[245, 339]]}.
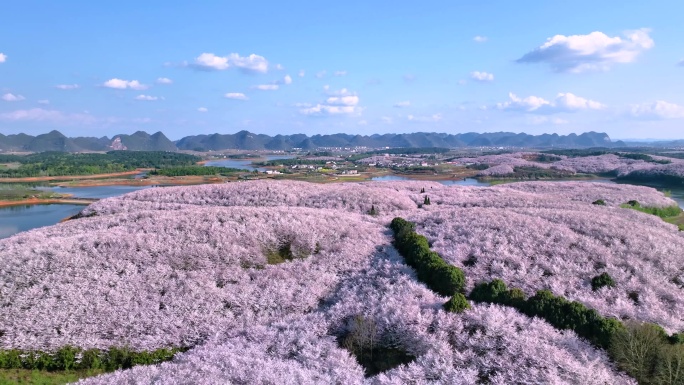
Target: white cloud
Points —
{"points": [[8, 97], [301, 73], [67, 86], [44, 101], [266, 87], [482, 76], [146, 98], [536, 120], [681, 63], [362, 123], [342, 92], [164, 81], [324, 109], [403, 104], [340, 73], [573, 102], [202, 109], [236, 96], [350, 100], [386, 119], [321, 74], [480, 39], [564, 102], [42, 115], [121, 84], [287, 79], [211, 62], [279, 67], [3, 57], [337, 103], [425, 119], [657, 110], [595, 51]]}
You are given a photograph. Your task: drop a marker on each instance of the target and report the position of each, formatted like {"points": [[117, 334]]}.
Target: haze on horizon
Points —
{"points": [[95, 69]]}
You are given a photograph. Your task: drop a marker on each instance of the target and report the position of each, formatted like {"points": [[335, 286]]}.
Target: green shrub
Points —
{"points": [[676, 338], [489, 291], [456, 304], [431, 269], [514, 297], [602, 280], [599, 202], [91, 359]]}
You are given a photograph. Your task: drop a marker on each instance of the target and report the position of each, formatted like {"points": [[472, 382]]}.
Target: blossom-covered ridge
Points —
{"points": [[193, 266]]}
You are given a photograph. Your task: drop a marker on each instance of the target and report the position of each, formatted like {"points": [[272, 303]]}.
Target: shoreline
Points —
{"points": [[31, 179], [49, 201]]}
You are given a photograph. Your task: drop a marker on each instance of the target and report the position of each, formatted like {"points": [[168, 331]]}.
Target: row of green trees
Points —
{"points": [[72, 358], [436, 273], [62, 163], [643, 350]]}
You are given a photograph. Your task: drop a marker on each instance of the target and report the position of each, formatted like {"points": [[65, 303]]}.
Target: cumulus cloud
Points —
{"points": [[350, 100], [202, 109], [146, 98], [301, 73], [266, 87], [340, 73], [321, 74], [43, 115], [657, 110], [480, 39], [403, 104], [9, 97], [164, 81], [425, 119], [595, 51], [211, 62], [121, 84], [536, 120], [67, 86], [324, 109], [236, 96], [3, 57], [482, 76], [564, 102], [287, 79], [337, 103]]}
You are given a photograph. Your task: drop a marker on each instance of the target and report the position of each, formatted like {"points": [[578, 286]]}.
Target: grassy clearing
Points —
{"points": [[41, 377], [670, 214]]}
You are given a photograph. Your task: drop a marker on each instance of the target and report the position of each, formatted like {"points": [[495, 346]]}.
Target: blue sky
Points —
{"points": [[94, 68]]}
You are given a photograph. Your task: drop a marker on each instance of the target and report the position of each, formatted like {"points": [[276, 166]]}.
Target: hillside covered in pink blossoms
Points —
{"points": [[504, 165], [191, 267]]}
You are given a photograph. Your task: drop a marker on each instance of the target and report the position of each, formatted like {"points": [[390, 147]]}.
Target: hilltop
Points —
{"points": [[298, 279], [244, 140]]}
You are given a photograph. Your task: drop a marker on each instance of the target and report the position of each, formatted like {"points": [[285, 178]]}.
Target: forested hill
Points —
{"points": [[244, 140], [56, 141]]}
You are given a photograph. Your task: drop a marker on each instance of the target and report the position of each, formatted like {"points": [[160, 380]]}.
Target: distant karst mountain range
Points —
{"points": [[244, 140]]}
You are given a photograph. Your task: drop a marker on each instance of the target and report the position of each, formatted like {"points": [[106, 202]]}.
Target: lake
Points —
{"points": [[246, 164], [14, 219], [98, 192], [459, 182]]}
